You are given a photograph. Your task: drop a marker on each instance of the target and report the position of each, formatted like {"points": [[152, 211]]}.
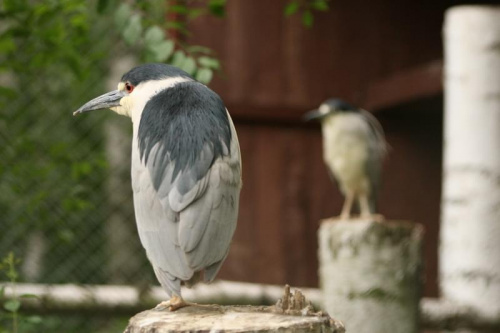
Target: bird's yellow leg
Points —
{"points": [[176, 302], [366, 212], [346, 209], [364, 206]]}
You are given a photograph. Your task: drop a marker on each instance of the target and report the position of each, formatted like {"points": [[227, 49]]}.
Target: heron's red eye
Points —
{"points": [[129, 87]]}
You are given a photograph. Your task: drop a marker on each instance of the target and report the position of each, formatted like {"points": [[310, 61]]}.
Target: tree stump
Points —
{"points": [[292, 313], [370, 274]]}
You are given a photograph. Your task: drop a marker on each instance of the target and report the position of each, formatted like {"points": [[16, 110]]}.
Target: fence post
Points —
{"points": [[370, 274], [470, 213]]}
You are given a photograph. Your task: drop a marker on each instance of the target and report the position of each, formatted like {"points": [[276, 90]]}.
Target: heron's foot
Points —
{"points": [[344, 216], [175, 303], [375, 217]]}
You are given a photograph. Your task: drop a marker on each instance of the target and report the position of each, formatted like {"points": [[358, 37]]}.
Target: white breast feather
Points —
{"points": [[345, 150]]}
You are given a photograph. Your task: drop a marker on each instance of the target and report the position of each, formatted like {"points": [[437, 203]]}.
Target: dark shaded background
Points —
{"points": [[383, 55]]}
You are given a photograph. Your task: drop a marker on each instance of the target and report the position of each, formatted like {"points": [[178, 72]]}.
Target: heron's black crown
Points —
{"points": [[154, 71], [337, 104]]}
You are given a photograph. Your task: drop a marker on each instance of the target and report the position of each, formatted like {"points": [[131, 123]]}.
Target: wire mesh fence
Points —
{"points": [[65, 199]]}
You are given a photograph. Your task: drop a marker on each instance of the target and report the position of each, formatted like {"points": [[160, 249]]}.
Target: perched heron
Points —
{"points": [[186, 172], [354, 147]]}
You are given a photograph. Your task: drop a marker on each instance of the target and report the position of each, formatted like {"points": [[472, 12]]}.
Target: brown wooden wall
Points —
{"points": [[274, 71]]}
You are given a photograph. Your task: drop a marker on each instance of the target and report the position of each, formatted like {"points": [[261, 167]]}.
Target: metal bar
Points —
{"points": [[106, 300]]}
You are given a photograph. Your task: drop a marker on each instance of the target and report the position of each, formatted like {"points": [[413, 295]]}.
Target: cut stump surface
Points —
{"points": [[292, 313]]}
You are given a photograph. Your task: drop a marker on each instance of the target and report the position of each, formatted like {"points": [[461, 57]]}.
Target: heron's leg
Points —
{"points": [[364, 206], [174, 303], [366, 211], [346, 209]]}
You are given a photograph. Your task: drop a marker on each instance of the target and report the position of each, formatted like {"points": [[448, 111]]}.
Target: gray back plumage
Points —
{"points": [[183, 120], [186, 176]]}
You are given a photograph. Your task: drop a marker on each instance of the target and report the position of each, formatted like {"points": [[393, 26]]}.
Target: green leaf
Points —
{"points": [[194, 13], [14, 5], [209, 62], [29, 296], [180, 9], [189, 65], [122, 15], [33, 320], [178, 58], [154, 35], [307, 19], [12, 305], [217, 7], [204, 75], [199, 49], [2, 292], [102, 5], [162, 51], [179, 26], [320, 5], [7, 45], [133, 30], [291, 8]]}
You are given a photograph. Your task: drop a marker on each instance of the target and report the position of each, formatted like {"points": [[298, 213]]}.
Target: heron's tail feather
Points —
{"points": [[212, 270], [170, 284]]}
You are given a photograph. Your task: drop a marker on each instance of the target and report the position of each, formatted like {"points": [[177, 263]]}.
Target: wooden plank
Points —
{"points": [[267, 174], [406, 86], [403, 87], [294, 215], [277, 65]]}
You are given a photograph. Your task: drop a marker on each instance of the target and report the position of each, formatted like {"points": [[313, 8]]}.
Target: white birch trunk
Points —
{"points": [[470, 213], [370, 274]]}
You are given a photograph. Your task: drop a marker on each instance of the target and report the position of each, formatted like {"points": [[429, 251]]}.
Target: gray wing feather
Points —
{"points": [[221, 207], [157, 228], [188, 223]]}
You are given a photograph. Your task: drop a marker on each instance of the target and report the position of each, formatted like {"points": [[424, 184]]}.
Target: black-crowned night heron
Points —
{"points": [[354, 147], [186, 172]]}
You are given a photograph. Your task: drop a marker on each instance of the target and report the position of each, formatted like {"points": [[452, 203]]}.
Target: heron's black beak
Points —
{"points": [[313, 115], [105, 101]]}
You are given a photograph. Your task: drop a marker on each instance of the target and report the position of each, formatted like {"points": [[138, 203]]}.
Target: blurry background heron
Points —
{"points": [[353, 149]]}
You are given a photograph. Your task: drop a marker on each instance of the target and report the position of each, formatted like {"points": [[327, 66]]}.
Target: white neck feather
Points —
{"points": [[133, 105]]}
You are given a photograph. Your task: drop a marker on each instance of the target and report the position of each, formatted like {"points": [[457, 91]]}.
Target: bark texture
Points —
{"points": [[370, 274], [470, 218], [292, 313]]}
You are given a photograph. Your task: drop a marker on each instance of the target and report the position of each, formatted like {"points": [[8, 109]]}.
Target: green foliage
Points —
{"points": [[217, 7], [155, 45], [306, 8], [11, 320], [53, 62]]}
